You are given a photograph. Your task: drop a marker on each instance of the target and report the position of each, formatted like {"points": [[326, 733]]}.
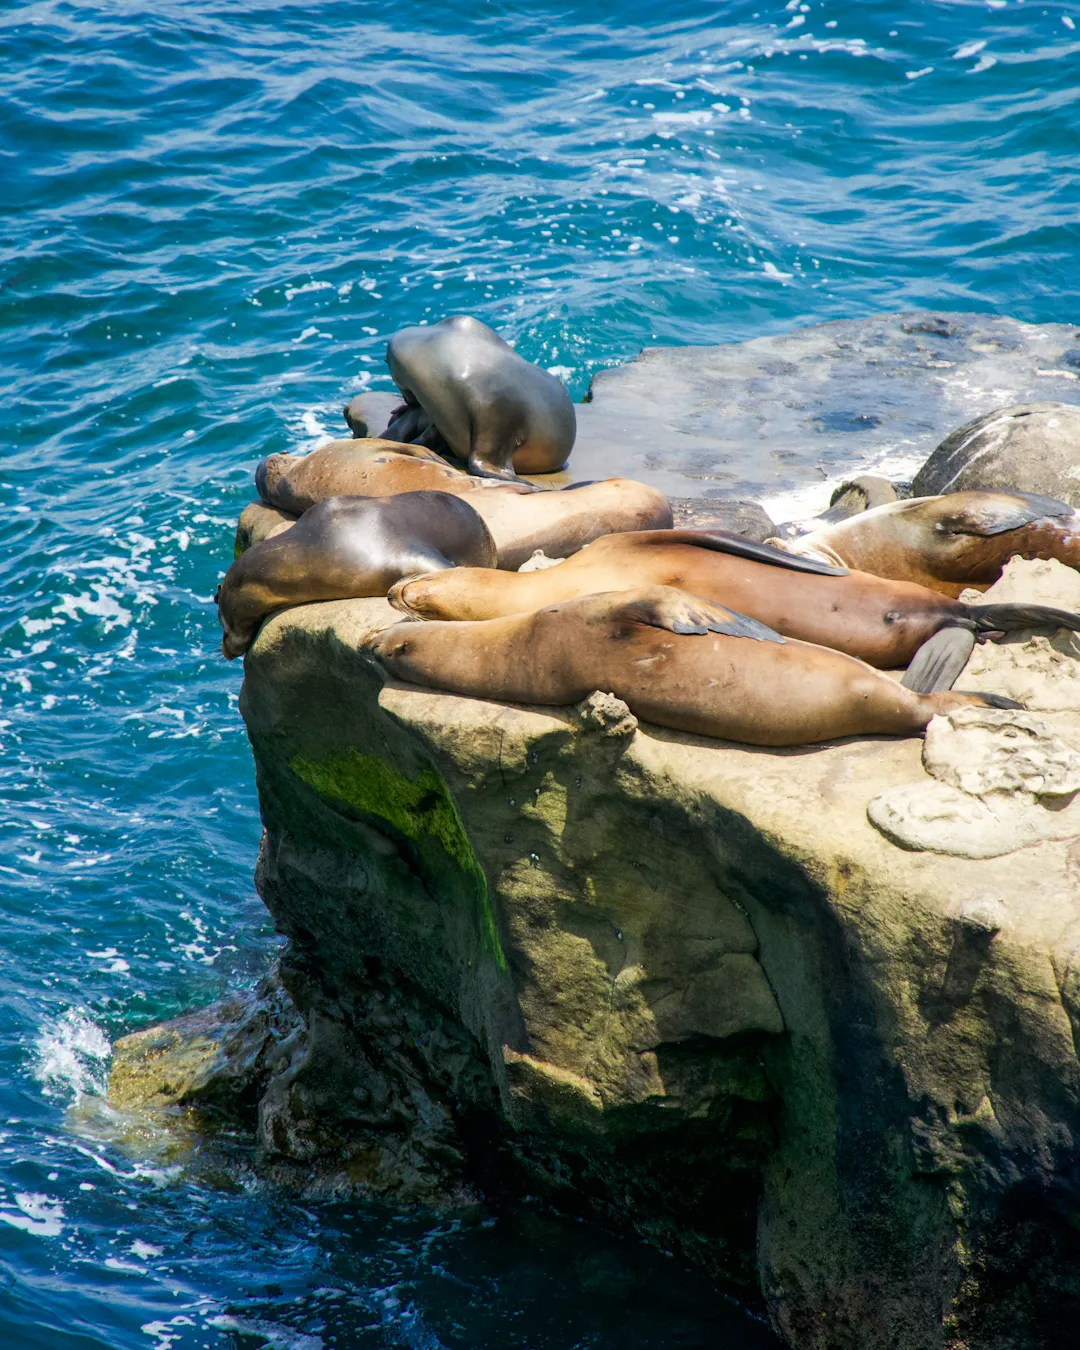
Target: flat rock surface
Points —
{"points": [[784, 415], [779, 413]]}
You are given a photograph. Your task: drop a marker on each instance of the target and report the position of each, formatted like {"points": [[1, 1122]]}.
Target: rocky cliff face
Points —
{"points": [[683, 986]]}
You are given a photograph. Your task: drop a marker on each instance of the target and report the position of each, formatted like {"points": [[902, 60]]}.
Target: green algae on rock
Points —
{"points": [[423, 812]]}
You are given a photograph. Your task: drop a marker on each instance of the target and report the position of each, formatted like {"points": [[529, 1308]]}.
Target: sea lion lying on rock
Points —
{"points": [[356, 468], [884, 623], [675, 659], [520, 517], [948, 543], [494, 409], [348, 547]]}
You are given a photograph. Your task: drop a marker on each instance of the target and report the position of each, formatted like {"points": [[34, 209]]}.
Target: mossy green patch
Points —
{"points": [[420, 811]]}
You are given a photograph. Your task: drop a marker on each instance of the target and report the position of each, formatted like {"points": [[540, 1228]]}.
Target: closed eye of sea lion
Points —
{"points": [[881, 622], [676, 660], [948, 543], [494, 409], [348, 547]]}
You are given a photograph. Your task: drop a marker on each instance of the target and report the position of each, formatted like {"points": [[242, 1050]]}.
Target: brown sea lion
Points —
{"points": [[521, 518], [881, 622], [355, 468], [562, 521], [346, 547], [493, 408], [675, 659], [948, 543], [258, 522]]}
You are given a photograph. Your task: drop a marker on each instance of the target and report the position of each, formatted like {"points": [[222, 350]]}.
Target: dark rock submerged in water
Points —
{"points": [[1034, 447]]}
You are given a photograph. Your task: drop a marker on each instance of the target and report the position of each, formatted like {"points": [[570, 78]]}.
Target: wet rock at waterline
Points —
{"points": [[1034, 447]]}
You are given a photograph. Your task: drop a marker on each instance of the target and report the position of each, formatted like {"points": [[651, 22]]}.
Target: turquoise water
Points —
{"points": [[214, 215]]}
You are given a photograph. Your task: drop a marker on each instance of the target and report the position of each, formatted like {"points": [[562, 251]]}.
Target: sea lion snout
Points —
{"points": [[396, 596]]}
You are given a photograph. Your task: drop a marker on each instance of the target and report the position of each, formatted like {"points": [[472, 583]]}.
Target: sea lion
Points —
{"points": [[884, 623], [346, 547], [258, 522], [355, 468], [520, 517], [562, 521], [948, 543], [675, 659], [494, 409]]}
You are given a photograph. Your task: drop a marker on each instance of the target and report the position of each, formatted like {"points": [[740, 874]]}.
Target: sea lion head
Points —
{"points": [[418, 596]]}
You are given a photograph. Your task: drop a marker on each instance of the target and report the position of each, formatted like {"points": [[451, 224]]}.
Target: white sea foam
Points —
{"points": [[291, 292], [145, 1250], [72, 1056], [40, 1215], [275, 1336], [805, 502]]}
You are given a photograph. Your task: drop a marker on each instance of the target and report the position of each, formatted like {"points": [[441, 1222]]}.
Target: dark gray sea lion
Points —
{"points": [[675, 659], [885, 623], [948, 543], [346, 547], [497, 411]]}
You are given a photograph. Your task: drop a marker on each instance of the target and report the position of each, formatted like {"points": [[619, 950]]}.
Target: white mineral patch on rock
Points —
{"points": [[1037, 667], [992, 750], [999, 779]]}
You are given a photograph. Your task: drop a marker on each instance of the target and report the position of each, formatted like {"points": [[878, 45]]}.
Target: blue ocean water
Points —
{"points": [[214, 214]]}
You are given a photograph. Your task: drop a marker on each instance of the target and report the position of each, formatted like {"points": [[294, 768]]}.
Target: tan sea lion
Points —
{"points": [[881, 622], [675, 659], [355, 468], [948, 543], [493, 408], [258, 522], [346, 547], [521, 518]]}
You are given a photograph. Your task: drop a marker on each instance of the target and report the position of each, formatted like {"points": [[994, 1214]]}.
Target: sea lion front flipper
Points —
{"points": [[936, 666], [679, 612], [990, 513], [722, 541]]}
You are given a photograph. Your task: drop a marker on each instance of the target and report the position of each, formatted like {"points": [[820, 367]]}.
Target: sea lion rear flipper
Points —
{"points": [[990, 513], [722, 541], [936, 666], [1005, 618], [679, 612]]}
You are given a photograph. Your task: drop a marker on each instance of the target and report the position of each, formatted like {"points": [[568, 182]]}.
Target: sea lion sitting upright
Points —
{"points": [[884, 623], [346, 547], [948, 543], [494, 409], [674, 659]]}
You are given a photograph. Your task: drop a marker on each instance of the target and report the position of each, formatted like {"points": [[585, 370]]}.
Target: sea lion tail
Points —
{"points": [[1004, 618], [987, 700], [966, 698]]}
